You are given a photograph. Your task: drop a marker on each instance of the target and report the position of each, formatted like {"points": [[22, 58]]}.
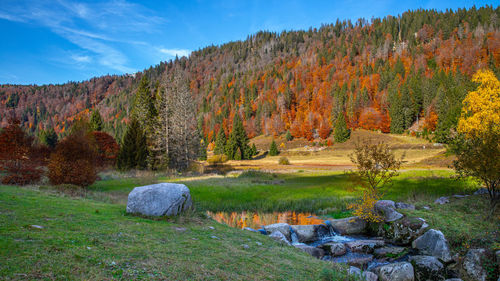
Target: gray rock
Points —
{"points": [[405, 206], [278, 236], [281, 227], [313, 251], [214, 237], [245, 246], [427, 268], [426, 207], [403, 231], [481, 191], [354, 259], [354, 271], [36, 226], [453, 279], [401, 271], [473, 264], [258, 243], [459, 196], [307, 233], [163, 199], [364, 246], [433, 243], [442, 200], [388, 209], [366, 275], [388, 250], [334, 248], [370, 276], [349, 226]]}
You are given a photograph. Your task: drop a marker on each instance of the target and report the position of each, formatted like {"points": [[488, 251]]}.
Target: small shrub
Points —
{"points": [[283, 161], [217, 159]]}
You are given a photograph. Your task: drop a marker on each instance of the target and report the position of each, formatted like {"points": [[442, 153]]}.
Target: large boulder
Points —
{"points": [[313, 251], [427, 268], [308, 233], [402, 231], [364, 246], [281, 227], [473, 264], [334, 248], [433, 243], [163, 199], [389, 252], [388, 209], [401, 271], [349, 226], [366, 275]]}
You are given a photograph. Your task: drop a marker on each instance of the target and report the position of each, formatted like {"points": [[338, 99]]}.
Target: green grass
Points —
{"points": [[463, 221], [86, 239], [317, 192]]}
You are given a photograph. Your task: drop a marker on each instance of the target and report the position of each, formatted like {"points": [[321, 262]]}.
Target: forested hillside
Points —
{"points": [[383, 74]]}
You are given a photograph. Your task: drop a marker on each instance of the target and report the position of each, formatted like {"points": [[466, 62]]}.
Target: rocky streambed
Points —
{"points": [[399, 248]]}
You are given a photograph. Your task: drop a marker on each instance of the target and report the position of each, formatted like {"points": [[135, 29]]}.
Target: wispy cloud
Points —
{"points": [[102, 29], [175, 52]]}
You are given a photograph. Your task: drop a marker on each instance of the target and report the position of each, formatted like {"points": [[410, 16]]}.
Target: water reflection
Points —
{"points": [[257, 220]]}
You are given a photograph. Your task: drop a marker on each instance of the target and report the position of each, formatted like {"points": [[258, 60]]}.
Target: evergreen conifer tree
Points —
{"points": [[288, 136], [134, 151], [238, 141], [342, 133], [96, 122], [273, 150], [49, 138], [253, 150], [220, 142]]}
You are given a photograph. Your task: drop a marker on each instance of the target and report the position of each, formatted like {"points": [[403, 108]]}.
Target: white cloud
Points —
{"points": [[81, 59], [175, 52]]}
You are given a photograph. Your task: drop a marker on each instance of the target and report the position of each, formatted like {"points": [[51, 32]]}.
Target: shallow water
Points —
{"points": [[256, 220]]}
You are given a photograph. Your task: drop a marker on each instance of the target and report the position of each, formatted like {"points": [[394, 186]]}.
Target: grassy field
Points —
{"points": [[86, 239], [303, 191]]}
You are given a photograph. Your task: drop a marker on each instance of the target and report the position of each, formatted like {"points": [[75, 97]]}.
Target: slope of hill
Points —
{"points": [[382, 75]]}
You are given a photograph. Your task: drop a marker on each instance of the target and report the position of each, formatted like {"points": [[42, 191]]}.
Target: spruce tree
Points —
{"points": [[342, 133], [238, 141], [49, 138], [134, 151], [253, 150], [96, 122], [273, 150], [288, 136], [220, 142]]}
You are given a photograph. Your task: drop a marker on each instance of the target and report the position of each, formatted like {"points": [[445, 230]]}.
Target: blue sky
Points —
{"points": [[58, 41]]}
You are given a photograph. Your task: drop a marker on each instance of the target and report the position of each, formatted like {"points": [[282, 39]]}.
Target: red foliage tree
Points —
{"points": [[324, 129], [107, 149], [18, 157]]}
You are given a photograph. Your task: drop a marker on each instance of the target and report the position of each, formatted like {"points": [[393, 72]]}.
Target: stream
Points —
{"points": [[326, 234]]}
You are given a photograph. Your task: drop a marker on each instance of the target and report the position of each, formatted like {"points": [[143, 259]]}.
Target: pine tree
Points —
{"points": [[273, 150], [220, 142], [96, 122], [238, 141], [342, 133], [288, 136], [49, 138], [133, 153], [253, 150]]}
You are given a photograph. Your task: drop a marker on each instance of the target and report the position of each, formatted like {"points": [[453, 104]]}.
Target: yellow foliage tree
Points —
{"points": [[481, 108], [477, 146]]}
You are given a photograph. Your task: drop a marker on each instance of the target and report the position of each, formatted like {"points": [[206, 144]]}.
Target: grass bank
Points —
{"points": [[86, 239]]}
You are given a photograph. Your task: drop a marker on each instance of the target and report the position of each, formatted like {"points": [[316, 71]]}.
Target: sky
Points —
{"points": [[51, 42]]}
